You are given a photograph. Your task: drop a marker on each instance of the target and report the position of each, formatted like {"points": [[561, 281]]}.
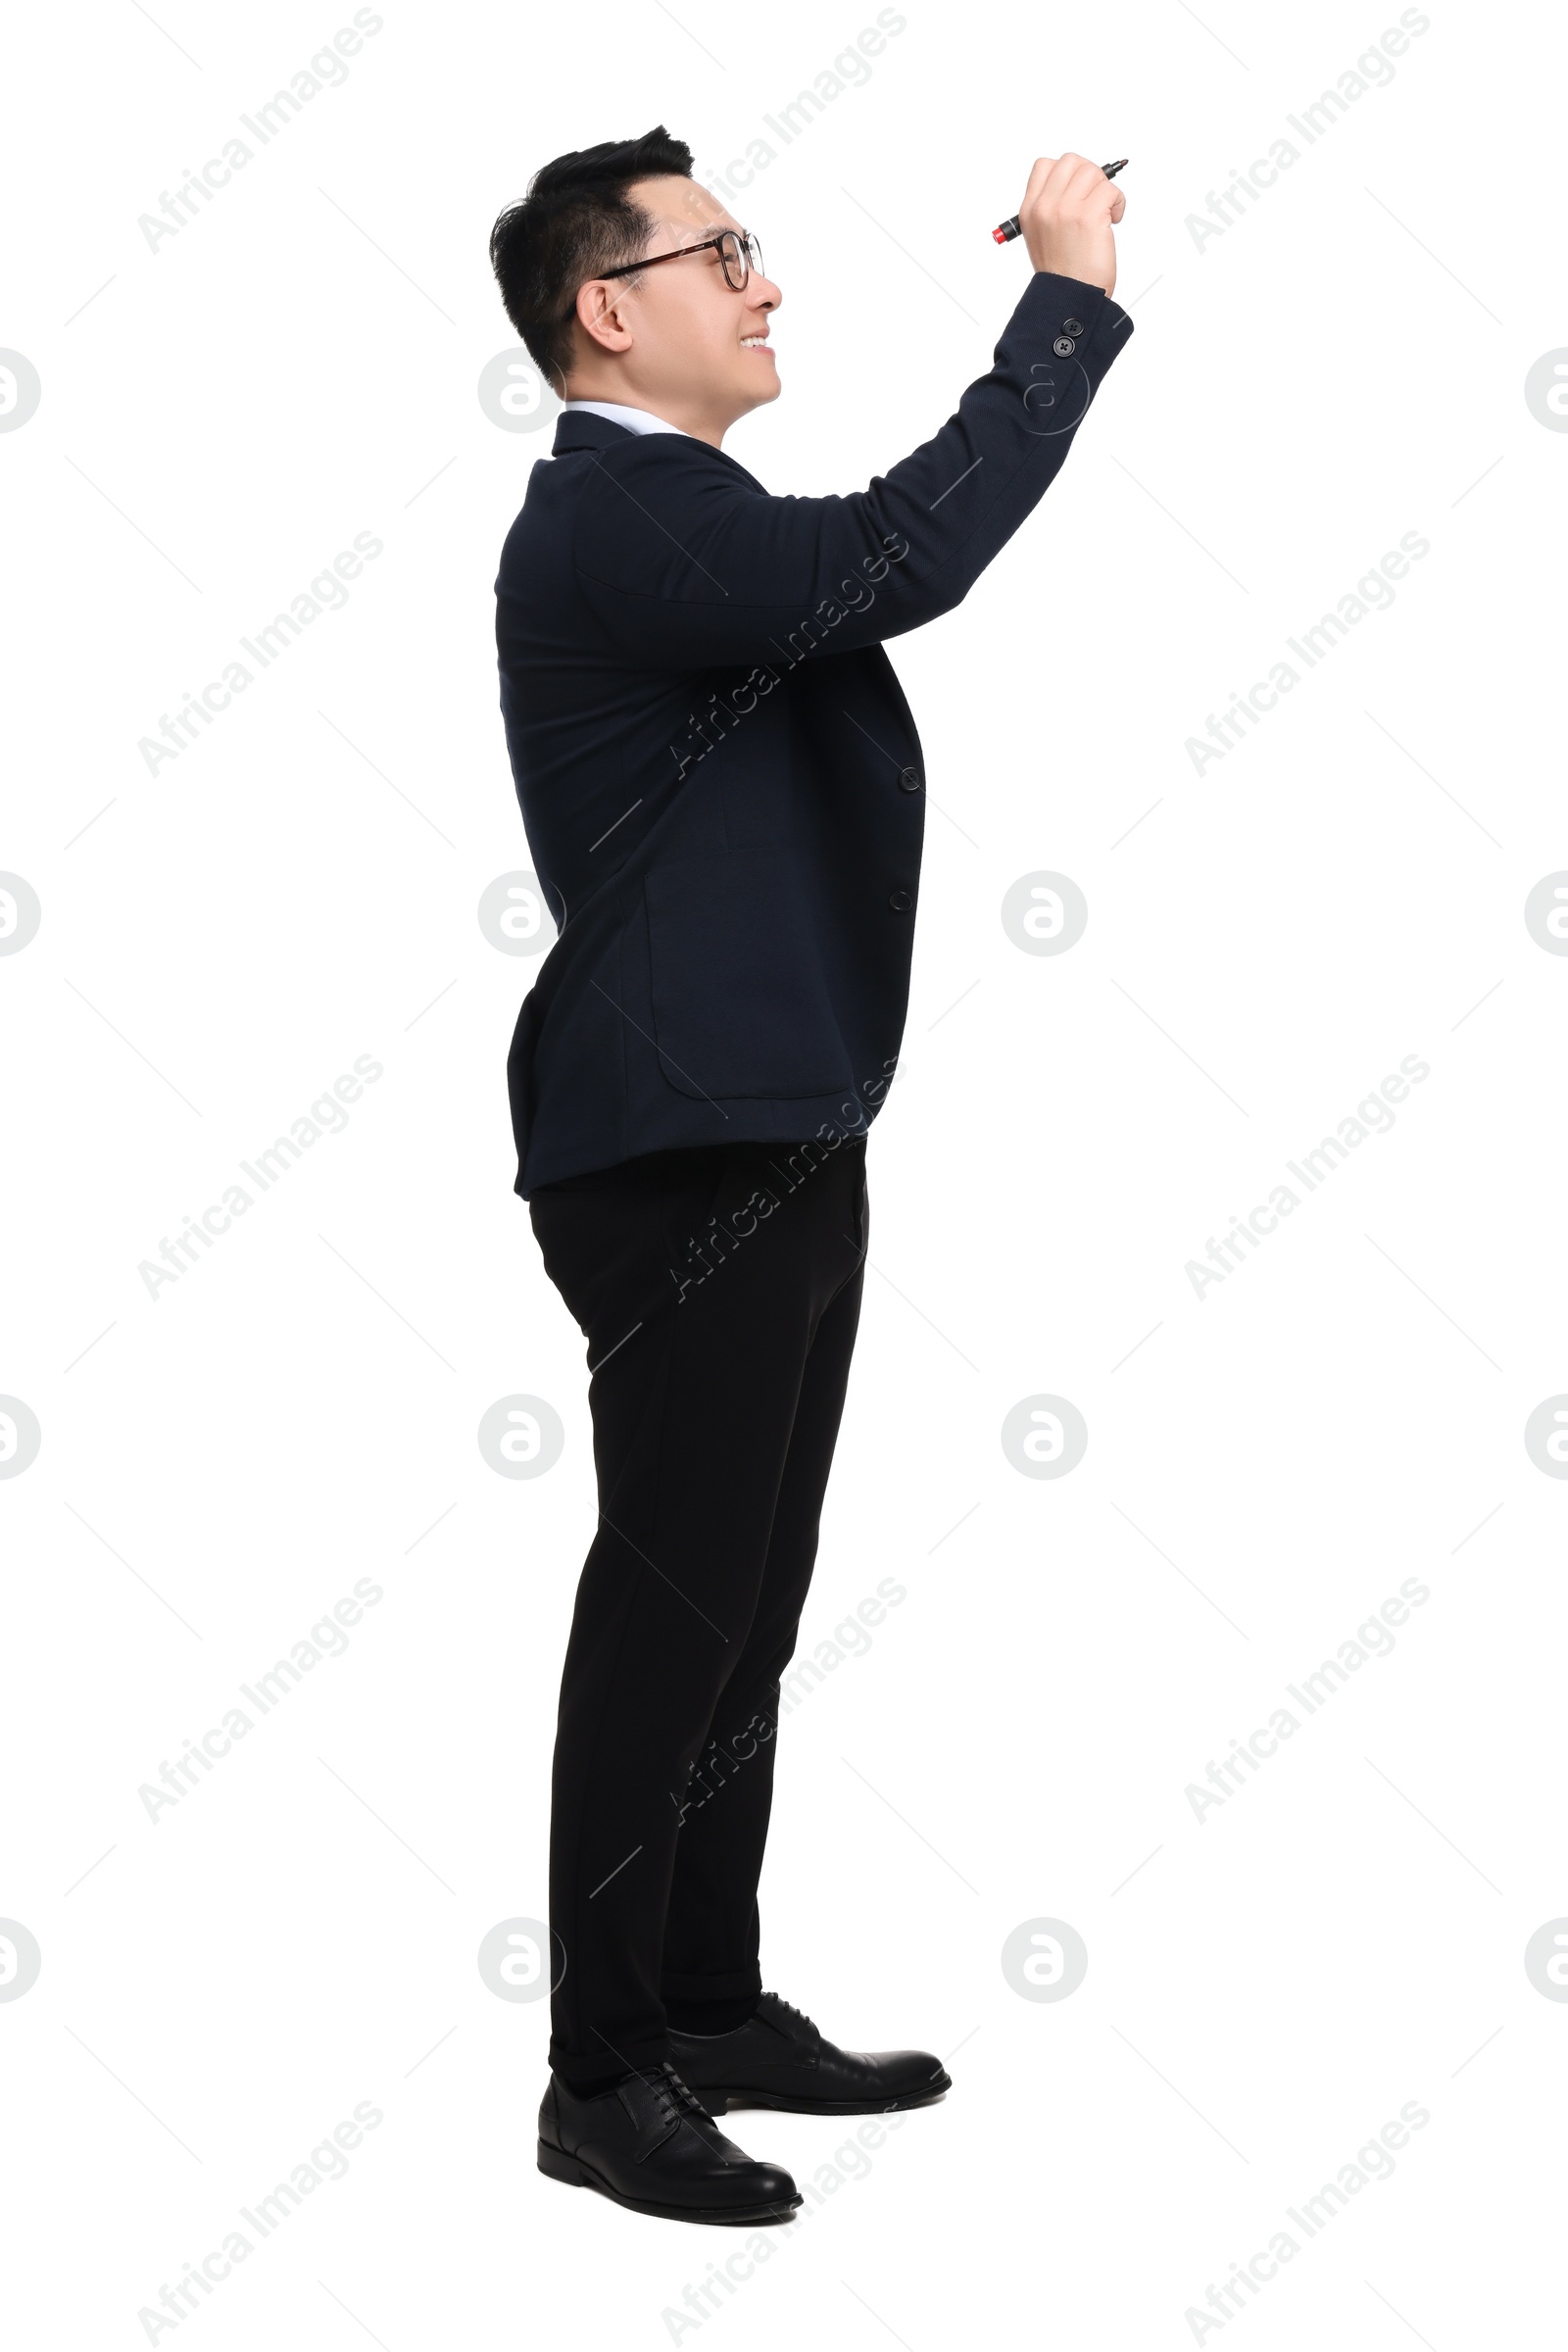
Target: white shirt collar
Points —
{"points": [[636, 421]]}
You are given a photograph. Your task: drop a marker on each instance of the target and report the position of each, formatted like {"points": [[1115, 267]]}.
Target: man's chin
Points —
{"points": [[755, 396]]}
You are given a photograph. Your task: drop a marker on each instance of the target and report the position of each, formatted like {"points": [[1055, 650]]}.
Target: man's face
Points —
{"points": [[689, 346]]}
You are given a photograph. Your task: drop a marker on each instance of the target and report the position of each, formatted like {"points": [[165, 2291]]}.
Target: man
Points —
{"points": [[722, 790]]}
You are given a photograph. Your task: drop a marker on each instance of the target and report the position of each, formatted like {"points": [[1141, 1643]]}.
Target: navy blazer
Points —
{"points": [[719, 777]]}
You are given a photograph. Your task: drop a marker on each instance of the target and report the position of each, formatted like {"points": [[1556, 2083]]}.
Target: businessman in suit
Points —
{"points": [[723, 794]]}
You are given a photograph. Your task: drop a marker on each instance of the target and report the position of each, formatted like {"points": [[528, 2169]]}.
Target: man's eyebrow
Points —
{"points": [[709, 229]]}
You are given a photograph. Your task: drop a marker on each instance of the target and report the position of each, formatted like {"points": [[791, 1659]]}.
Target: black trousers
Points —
{"points": [[719, 1292]]}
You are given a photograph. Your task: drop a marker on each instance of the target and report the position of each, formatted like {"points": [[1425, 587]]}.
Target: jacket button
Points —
{"points": [[1064, 347], [900, 901], [908, 779], [1072, 327]]}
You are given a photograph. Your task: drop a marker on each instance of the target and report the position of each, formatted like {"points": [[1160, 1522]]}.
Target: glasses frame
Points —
{"points": [[747, 252]]}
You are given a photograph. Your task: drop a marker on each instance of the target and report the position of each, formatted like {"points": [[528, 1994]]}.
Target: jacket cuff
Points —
{"points": [[1082, 318]]}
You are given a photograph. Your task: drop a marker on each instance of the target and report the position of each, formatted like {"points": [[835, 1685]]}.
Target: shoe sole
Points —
{"points": [[558, 2165], [719, 2102]]}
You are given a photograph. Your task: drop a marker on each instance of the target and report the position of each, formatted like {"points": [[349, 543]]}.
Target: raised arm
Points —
{"points": [[688, 562]]}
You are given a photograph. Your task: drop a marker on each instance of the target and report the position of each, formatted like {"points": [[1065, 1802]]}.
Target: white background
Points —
{"points": [[219, 417]]}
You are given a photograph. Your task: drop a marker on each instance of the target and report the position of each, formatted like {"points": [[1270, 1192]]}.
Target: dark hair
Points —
{"points": [[576, 221]]}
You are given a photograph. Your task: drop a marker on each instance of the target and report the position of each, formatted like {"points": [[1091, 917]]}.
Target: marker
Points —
{"points": [[1010, 229]]}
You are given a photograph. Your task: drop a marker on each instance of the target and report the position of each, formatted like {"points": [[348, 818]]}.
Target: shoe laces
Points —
{"points": [[673, 2098], [799, 2016]]}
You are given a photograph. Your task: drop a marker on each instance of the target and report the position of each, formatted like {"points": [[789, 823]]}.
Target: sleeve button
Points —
{"points": [[1064, 347], [900, 901], [1072, 327], [908, 779]]}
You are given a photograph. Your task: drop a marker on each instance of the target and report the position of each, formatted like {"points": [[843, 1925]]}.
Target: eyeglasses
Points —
{"points": [[739, 254]]}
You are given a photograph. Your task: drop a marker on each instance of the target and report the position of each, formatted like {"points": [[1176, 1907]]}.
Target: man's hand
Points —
{"points": [[1068, 214]]}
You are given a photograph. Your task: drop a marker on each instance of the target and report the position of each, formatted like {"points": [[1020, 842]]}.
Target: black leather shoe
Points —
{"points": [[651, 2144], [779, 2059]]}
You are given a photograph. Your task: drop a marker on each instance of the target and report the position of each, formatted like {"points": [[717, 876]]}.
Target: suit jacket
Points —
{"points": [[719, 777]]}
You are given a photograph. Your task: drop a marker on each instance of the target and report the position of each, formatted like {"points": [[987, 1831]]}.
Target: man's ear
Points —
{"points": [[600, 316]]}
